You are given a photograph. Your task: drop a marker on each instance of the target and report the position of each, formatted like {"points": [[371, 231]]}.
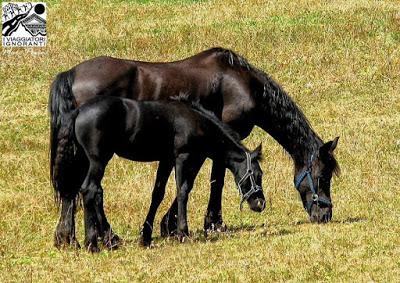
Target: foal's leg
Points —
{"points": [[109, 238], [91, 192], [169, 223], [186, 169], [213, 219], [163, 172]]}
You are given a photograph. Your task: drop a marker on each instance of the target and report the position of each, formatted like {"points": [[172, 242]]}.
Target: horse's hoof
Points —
{"points": [[146, 243], [168, 229], [217, 227], [112, 242], [92, 248], [168, 233], [75, 244], [65, 240], [183, 236]]}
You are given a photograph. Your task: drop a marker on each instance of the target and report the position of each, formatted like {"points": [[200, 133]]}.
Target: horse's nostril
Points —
{"points": [[257, 205], [261, 204]]}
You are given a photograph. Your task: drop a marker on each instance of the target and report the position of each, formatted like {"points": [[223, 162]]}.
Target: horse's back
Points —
{"points": [[141, 131], [217, 77], [198, 74], [101, 75]]}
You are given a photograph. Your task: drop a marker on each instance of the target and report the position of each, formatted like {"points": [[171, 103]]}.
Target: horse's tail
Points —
{"points": [[61, 103], [64, 157]]}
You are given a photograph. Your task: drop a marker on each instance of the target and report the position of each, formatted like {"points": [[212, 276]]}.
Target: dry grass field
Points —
{"points": [[339, 60]]}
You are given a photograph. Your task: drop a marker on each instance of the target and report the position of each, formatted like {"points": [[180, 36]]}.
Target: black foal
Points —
{"points": [[179, 134]]}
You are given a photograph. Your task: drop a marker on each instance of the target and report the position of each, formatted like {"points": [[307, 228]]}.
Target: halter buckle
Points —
{"points": [[315, 197]]}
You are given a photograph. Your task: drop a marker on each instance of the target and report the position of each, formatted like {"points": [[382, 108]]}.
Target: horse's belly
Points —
{"points": [[146, 150]]}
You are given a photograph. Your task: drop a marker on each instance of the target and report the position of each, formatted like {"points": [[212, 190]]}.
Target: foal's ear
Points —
{"points": [[257, 154], [329, 147]]}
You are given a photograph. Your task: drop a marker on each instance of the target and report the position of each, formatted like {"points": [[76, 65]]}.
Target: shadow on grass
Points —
{"points": [[236, 232], [233, 232], [349, 220]]}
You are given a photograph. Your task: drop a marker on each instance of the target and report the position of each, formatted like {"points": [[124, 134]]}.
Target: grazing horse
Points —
{"points": [[170, 132], [239, 94]]}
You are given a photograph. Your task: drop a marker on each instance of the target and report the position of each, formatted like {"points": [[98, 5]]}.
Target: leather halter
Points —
{"points": [[249, 174], [315, 198]]}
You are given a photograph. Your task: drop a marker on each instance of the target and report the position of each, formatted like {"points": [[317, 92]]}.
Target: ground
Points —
{"points": [[339, 60]]}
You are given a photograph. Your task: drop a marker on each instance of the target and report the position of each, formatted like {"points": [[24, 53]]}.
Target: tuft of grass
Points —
{"points": [[339, 60]]}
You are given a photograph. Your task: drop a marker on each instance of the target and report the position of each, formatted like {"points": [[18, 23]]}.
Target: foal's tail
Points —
{"points": [[61, 105]]}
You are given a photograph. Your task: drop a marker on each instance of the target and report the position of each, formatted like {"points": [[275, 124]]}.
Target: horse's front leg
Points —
{"points": [[163, 172], [213, 219], [169, 224], [187, 167]]}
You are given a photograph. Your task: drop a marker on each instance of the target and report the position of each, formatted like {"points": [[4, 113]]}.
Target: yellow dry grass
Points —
{"points": [[339, 60]]}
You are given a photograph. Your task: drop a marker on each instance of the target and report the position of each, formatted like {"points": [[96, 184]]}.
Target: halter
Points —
{"points": [[249, 174], [315, 198]]}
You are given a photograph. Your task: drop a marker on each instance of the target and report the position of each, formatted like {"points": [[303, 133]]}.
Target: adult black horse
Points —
{"points": [[224, 83], [180, 135]]}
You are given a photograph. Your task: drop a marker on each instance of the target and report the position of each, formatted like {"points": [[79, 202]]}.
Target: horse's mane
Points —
{"points": [[278, 105], [210, 116], [273, 95]]}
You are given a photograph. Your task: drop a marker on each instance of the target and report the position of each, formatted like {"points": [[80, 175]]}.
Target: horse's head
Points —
{"points": [[248, 178], [313, 181]]}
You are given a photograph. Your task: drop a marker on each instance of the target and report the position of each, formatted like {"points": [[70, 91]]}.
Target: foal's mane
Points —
{"points": [[280, 109], [210, 116]]}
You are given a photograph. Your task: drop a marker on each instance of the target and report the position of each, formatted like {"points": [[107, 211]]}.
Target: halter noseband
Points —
{"points": [[249, 174], [315, 198]]}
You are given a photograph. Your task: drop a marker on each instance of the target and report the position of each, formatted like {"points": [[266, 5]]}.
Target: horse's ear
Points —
{"points": [[329, 147], [257, 153]]}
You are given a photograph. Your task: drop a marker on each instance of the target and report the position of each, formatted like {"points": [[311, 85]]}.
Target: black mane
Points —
{"points": [[232, 59], [284, 115], [210, 116]]}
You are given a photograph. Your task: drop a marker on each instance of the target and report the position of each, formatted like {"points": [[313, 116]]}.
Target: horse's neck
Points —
{"points": [[225, 147], [232, 155], [284, 121]]}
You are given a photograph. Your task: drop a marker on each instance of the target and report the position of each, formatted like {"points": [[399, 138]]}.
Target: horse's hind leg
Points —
{"points": [[91, 192], [107, 235], [163, 172], [109, 238]]}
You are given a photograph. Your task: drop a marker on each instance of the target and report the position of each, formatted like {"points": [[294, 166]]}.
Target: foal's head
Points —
{"points": [[248, 178], [313, 181]]}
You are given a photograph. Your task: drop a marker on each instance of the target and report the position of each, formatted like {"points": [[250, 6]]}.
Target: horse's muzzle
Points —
{"points": [[320, 214], [257, 204]]}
